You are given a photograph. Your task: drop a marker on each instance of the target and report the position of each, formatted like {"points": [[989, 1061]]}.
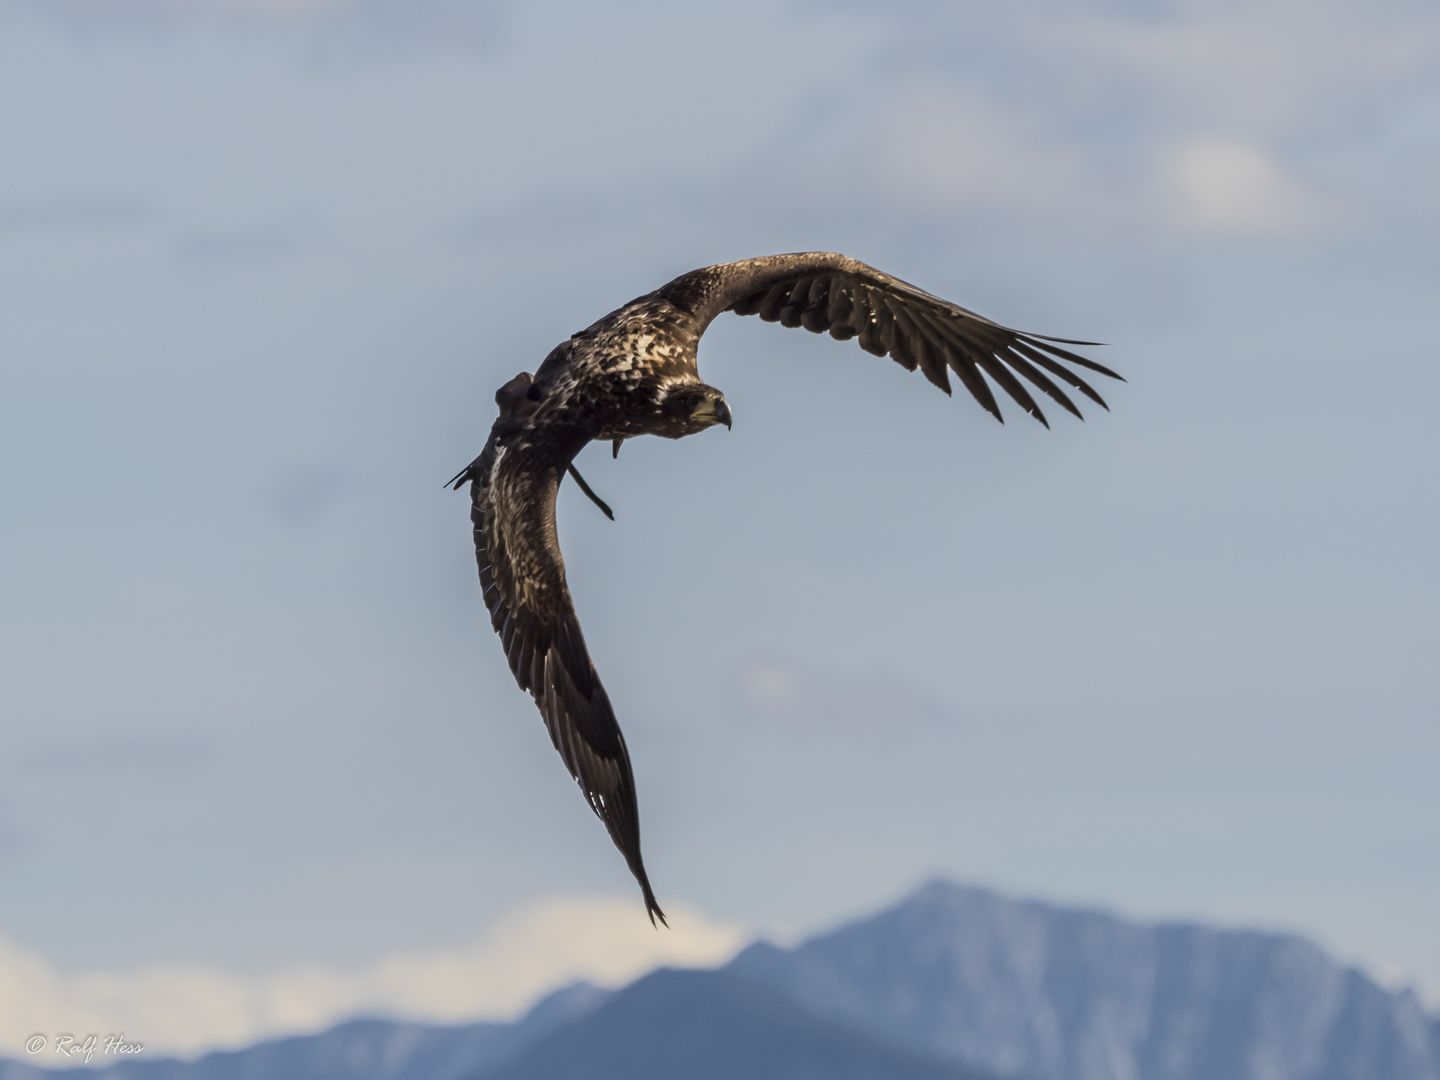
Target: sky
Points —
{"points": [[264, 263]]}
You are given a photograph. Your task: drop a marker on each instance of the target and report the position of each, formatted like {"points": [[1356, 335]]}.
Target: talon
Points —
{"points": [[604, 507]]}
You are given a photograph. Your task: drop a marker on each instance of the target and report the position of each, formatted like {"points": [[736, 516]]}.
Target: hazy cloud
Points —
{"points": [[966, 152], [472, 24], [781, 691], [1062, 112], [185, 1010], [1258, 66], [1228, 186], [1065, 111]]}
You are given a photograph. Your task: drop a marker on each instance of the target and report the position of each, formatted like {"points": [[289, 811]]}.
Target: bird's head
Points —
{"points": [[696, 406]]}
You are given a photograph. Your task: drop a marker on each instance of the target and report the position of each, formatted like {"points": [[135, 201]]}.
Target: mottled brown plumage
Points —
{"points": [[634, 373]]}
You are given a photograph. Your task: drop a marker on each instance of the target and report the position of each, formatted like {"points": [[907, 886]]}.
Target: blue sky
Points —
{"points": [[265, 264]]}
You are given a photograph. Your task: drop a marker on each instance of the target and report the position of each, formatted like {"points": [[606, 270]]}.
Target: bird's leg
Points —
{"points": [[604, 509]]}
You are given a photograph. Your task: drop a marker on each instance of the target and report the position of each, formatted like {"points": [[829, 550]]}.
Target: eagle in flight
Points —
{"points": [[634, 373]]}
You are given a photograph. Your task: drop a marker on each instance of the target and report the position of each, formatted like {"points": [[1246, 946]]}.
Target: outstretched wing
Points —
{"points": [[823, 291], [512, 494]]}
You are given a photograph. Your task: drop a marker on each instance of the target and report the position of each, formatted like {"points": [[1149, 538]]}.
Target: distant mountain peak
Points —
{"points": [[1023, 987]]}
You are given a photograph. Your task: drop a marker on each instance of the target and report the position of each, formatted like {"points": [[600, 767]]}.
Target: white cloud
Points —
{"points": [[1400, 980], [1062, 111], [180, 1010], [1230, 186], [967, 152], [1267, 65]]}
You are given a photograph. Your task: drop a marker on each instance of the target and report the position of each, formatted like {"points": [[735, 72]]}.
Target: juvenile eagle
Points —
{"points": [[633, 373]]}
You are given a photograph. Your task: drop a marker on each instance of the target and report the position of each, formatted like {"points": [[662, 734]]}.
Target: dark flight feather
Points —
{"points": [[513, 504]]}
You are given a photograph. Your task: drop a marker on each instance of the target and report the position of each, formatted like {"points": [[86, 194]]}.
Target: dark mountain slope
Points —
{"points": [[713, 1025], [357, 1050]]}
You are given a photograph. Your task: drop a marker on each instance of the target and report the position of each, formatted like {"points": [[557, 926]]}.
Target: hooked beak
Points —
{"points": [[713, 410]]}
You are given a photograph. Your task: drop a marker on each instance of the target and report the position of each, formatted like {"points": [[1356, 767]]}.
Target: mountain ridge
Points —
{"points": [[952, 982], [1060, 993]]}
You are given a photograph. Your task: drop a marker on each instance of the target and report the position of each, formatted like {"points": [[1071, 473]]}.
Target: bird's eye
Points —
{"points": [[533, 393]]}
